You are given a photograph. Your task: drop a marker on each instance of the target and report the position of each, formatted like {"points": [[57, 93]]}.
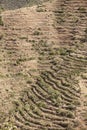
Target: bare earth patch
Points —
{"points": [[43, 51]]}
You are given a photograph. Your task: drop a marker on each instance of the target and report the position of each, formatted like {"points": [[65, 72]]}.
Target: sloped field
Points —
{"points": [[44, 60], [15, 4]]}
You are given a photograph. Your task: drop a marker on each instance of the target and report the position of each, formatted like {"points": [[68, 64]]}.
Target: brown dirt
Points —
{"points": [[42, 54]]}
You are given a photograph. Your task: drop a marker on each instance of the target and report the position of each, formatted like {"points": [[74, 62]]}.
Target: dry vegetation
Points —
{"points": [[43, 67]]}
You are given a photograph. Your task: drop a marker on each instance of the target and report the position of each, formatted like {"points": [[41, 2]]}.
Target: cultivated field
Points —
{"points": [[43, 65]]}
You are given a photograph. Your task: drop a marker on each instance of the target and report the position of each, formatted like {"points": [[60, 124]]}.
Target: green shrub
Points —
{"points": [[37, 33], [1, 22], [1, 36], [82, 10]]}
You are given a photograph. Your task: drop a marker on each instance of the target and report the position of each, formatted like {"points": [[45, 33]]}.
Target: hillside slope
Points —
{"points": [[43, 67], [15, 4]]}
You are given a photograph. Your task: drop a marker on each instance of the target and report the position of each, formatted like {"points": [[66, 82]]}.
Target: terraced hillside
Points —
{"points": [[43, 67]]}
